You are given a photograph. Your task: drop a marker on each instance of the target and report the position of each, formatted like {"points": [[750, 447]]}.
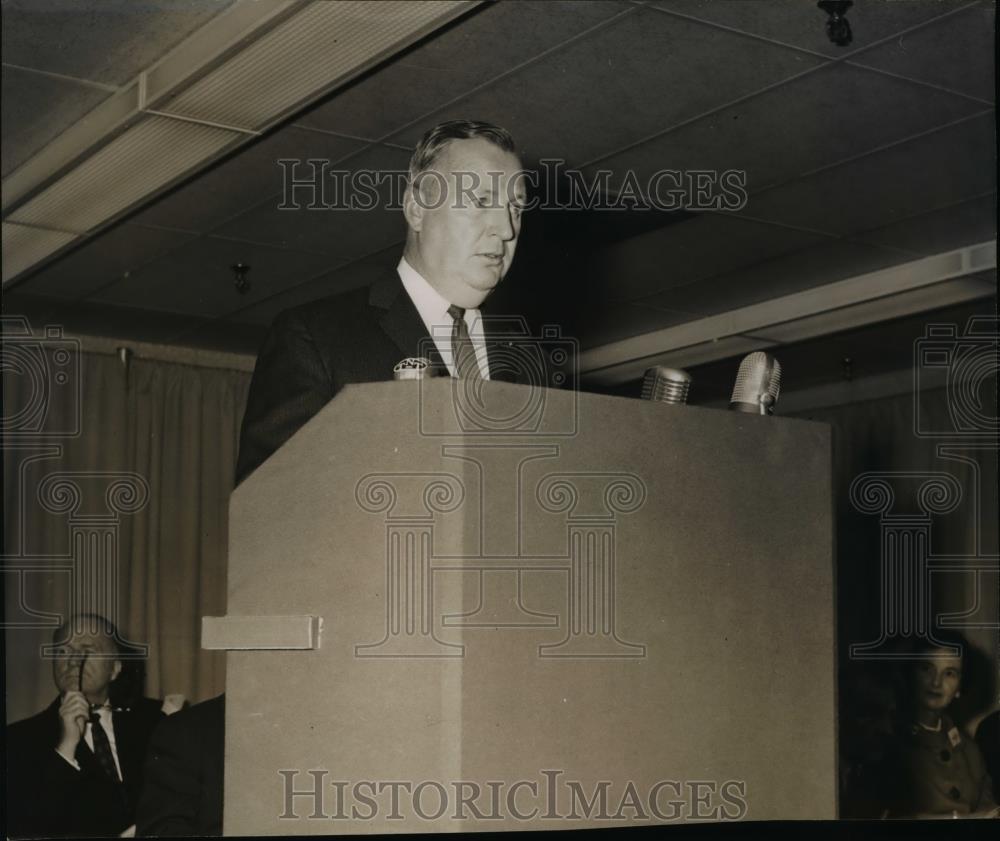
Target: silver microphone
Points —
{"points": [[412, 368], [666, 385], [757, 384]]}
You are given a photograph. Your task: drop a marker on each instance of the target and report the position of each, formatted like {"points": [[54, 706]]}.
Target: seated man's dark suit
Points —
{"points": [[48, 797], [314, 350], [183, 792]]}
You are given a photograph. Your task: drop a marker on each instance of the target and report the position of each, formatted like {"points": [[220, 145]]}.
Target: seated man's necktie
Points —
{"points": [[102, 747], [462, 349]]}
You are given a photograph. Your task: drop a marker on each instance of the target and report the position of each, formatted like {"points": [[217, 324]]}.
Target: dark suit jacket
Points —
{"points": [[988, 739], [184, 774], [46, 796], [314, 350]]}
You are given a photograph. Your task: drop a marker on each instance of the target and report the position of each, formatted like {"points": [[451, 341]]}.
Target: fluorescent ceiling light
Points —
{"points": [[322, 45], [250, 67], [122, 174], [24, 246]]}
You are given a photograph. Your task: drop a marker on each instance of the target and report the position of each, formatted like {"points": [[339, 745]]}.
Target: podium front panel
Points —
{"points": [[619, 613]]}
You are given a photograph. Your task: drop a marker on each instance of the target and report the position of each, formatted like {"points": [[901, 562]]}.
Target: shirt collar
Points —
{"points": [[431, 305], [104, 715], [433, 310]]}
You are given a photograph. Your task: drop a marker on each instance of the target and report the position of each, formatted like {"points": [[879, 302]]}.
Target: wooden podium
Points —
{"points": [[523, 608]]}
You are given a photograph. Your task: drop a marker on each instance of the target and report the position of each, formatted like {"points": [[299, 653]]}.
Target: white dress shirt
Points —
{"points": [[88, 736], [433, 311]]}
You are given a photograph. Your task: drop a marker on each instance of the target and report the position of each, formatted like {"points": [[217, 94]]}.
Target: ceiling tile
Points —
{"points": [[196, 279], [810, 267], [102, 260], [957, 53], [38, 108], [343, 234], [602, 93], [835, 113], [451, 63], [932, 171], [689, 251], [108, 41], [582, 101], [801, 23], [941, 230], [352, 276], [243, 180]]}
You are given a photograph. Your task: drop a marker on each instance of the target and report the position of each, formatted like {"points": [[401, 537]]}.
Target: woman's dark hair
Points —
{"points": [[977, 686], [945, 638]]}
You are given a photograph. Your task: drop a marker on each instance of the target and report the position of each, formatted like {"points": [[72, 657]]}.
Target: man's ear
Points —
{"points": [[116, 669], [413, 209]]}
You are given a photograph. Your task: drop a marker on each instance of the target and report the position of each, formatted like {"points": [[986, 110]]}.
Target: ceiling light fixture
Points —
{"points": [[240, 279], [248, 69], [838, 28]]}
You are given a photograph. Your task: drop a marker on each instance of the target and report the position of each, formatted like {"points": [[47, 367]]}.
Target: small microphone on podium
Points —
{"points": [[757, 384], [412, 368], [666, 385]]}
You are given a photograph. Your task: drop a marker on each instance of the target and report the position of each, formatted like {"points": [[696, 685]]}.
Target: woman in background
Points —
{"points": [[935, 770]]}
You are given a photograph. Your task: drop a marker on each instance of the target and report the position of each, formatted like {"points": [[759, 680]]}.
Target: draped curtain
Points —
{"points": [[176, 427]]}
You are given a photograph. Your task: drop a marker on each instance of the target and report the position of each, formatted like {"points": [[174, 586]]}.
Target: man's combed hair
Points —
{"points": [[433, 143]]}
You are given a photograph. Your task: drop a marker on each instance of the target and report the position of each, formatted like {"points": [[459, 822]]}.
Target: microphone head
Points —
{"points": [[666, 385], [412, 368], [757, 384]]}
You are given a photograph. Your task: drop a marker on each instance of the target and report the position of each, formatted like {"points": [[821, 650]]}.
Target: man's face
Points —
{"points": [[101, 666], [935, 682], [465, 239]]}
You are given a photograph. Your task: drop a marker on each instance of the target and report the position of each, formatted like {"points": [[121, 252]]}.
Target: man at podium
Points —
{"points": [[463, 206]]}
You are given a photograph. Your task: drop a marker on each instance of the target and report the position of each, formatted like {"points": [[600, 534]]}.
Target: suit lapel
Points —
{"points": [[401, 322], [125, 744], [500, 353], [84, 755], [403, 325], [88, 761]]}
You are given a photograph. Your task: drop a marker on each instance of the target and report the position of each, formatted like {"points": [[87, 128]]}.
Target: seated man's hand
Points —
{"points": [[73, 713]]}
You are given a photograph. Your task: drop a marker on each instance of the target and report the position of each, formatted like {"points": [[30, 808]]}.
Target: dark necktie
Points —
{"points": [[463, 352], [102, 747]]}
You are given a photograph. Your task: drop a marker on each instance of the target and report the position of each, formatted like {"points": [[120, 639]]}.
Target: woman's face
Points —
{"points": [[936, 681]]}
